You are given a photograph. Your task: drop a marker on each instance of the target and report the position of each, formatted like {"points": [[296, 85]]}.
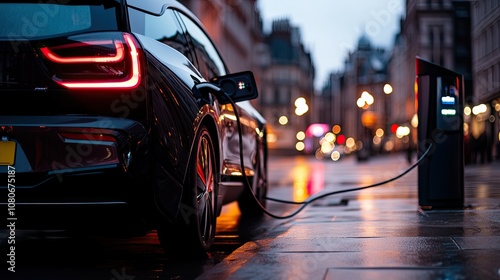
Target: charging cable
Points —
{"points": [[360, 188], [308, 201]]}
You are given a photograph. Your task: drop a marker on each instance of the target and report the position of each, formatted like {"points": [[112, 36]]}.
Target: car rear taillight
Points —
{"points": [[87, 137], [99, 60], [89, 147]]}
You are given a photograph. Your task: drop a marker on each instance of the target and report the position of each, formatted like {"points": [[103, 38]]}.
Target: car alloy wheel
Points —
{"points": [[194, 230], [204, 190]]}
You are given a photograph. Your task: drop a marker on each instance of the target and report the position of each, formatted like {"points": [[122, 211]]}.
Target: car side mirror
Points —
{"points": [[238, 86]]}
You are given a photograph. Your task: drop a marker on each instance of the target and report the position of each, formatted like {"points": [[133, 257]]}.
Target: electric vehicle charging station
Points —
{"points": [[440, 123]]}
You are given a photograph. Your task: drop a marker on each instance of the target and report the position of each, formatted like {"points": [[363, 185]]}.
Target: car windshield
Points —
{"points": [[36, 20]]}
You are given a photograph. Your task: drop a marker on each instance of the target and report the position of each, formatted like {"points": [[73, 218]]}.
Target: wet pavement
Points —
{"points": [[377, 233]]}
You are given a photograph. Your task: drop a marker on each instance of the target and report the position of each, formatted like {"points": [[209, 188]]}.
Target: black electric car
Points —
{"points": [[117, 116]]}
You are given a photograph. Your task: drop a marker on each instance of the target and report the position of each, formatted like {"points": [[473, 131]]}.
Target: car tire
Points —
{"points": [[247, 202], [194, 230]]}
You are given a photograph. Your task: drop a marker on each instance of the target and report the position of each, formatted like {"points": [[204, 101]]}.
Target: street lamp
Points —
{"points": [[387, 108], [365, 100], [387, 89], [367, 120], [283, 120], [301, 106]]}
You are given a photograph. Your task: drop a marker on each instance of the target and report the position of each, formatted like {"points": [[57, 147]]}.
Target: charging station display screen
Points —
{"points": [[448, 101], [447, 104]]}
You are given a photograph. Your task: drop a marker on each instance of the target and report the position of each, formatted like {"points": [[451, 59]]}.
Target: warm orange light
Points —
{"points": [[300, 180], [369, 119], [415, 89], [336, 129]]}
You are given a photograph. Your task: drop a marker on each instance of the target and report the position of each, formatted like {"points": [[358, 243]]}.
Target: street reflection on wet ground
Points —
{"points": [[379, 233], [53, 255], [309, 176], [57, 255]]}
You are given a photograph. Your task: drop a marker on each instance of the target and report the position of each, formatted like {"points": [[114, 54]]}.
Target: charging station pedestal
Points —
{"points": [[440, 122]]}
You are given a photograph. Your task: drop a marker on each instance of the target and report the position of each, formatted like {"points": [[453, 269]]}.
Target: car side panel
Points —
{"points": [[172, 58], [175, 115]]}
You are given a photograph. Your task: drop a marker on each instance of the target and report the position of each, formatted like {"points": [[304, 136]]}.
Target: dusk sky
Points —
{"points": [[331, 28]]}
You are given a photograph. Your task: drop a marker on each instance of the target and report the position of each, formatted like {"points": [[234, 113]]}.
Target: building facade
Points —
{"points": [[282, 66], [235, 26], [287, 84], [485, 124], [342, 98], [435, 30], [237, 30]]}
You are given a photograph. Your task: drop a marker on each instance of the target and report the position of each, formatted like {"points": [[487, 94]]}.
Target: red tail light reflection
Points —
{"points": [[86, 137], [120, 53]]}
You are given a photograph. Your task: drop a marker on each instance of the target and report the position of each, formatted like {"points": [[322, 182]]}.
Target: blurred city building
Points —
{"points": [[484, 108], [287, 84], [437, 31], [462, 35], [355, 98], [237, 31], [281, 64]]}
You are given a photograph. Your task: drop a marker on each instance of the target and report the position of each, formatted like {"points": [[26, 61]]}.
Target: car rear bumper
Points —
{"points": [[67, 143], [74, 170], [98, 201], [90, 218]]}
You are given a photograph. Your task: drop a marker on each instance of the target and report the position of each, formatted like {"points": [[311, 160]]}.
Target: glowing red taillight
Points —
{"points": [[103, 60], [116, 57]]}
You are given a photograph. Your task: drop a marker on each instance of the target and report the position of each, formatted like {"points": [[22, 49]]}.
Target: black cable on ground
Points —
{"points": [[360, 188], [307, 202]]}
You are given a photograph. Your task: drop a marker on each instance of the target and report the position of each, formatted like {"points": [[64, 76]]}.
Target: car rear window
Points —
{"points": [[44, 20]]}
